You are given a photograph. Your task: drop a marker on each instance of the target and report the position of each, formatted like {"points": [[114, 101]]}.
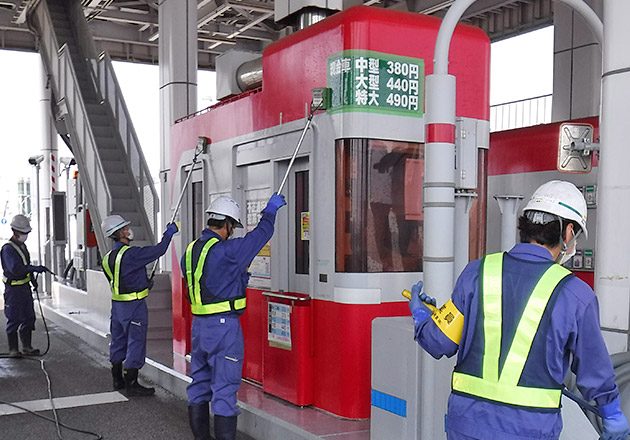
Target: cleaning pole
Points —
{"points": [[297, 148], [202, 146], [321, 101]]}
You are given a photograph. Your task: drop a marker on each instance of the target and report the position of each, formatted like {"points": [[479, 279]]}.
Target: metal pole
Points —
{"points": [[181, 195], [297, 148], [39, 216], [198, 150], [68, 234]]}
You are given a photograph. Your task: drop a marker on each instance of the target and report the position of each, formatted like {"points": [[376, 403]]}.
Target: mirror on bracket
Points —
{"points": [[575, 148]]}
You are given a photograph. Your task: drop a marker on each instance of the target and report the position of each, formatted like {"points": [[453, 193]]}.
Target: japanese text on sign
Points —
{"points": [[279, 332], [376, 82]]}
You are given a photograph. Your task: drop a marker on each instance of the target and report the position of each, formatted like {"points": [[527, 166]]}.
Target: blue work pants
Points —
{"points": [[128, 329], [18, 308], [217, 363], [452, 435]]}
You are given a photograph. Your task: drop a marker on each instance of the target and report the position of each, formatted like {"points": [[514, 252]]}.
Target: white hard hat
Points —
{"points": [[561, 199], [223, 207], [21, 224], [113, 223]]}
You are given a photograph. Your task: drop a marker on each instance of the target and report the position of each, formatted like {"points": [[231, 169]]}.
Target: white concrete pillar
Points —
{"points": [[577, 64], [612, 274], [508, 206], [178, 86], [47, 177]]}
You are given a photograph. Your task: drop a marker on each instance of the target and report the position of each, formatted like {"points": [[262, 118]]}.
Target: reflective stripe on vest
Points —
{"points": [[504, 387], [25, 280], [194, 286], [114, 279]]}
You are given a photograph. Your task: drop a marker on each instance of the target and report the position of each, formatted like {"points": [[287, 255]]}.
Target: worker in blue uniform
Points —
{"points": [[526, 321], [125, 269], [215, 270], [18, 298]]}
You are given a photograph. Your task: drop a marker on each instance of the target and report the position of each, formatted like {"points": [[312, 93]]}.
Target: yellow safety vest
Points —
{"points": [[193, 277], [112, 271], [24, 280], [504, 387]]}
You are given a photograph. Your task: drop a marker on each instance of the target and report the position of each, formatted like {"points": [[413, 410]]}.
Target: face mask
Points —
{"points": [[130, 234], [22, 237], [566, 255]]}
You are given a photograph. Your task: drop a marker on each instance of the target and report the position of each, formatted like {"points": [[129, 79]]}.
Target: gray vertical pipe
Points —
{"points": [[463, 203], [508, 206]]}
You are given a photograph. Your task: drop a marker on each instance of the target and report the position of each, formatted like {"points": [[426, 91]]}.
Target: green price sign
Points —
{"points": [[368, 81]]}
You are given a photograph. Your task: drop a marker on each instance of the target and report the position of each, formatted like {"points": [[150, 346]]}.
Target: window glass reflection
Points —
{"points": [[379, 206]]}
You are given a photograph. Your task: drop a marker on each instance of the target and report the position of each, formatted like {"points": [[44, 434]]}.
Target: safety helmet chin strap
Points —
{"points": [[566, 246]]}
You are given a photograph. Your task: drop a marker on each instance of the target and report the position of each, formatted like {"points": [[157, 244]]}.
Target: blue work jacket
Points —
{"points": [[133, 273], [12, 263], [225, 273], [573, 339]]}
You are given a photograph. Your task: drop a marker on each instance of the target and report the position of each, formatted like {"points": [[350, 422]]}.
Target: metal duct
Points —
{"points": [[309, 16], [249, 75]]}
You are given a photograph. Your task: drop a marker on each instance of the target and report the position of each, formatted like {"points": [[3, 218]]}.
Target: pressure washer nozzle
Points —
{"points": [[407, 294]]}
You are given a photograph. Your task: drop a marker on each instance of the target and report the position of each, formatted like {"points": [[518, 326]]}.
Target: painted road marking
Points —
{"points": [[64, 402]]}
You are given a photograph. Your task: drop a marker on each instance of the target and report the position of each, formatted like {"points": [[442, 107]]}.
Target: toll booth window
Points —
{"points": [[198, 209], [302, 220], [379, 218]]}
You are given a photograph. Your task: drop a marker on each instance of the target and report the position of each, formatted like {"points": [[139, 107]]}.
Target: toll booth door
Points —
{"points": [[297, 194], [197, 203]]}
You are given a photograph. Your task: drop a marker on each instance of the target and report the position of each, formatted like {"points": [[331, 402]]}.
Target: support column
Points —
{"points": [[612, 274], [178, 87], [577, 64], [47, 179]]}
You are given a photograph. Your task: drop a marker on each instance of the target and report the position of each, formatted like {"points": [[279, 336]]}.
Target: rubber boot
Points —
{"points": [[199, 419], [27, 349], [117, 375], [225, 427], [14, 350], [132, 385]]}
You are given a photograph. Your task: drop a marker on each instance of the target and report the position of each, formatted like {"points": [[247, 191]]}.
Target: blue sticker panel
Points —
{"points": [[389, 403]]}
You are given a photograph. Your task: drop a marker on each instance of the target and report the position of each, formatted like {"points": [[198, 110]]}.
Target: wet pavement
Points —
{"points": [[81, 384]]}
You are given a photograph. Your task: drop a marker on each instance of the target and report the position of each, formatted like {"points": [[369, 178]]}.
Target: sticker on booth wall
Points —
{"points": [[260, 272], [279, 325], [368, 81], [260, 268], [305, 226]]}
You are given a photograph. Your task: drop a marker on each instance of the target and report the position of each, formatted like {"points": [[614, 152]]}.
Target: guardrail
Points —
{"points": [[109, 89], [68, 95], [521, 113]]}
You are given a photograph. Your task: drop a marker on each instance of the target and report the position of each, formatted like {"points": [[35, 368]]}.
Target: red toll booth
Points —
{"points": [[350, 239]]}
